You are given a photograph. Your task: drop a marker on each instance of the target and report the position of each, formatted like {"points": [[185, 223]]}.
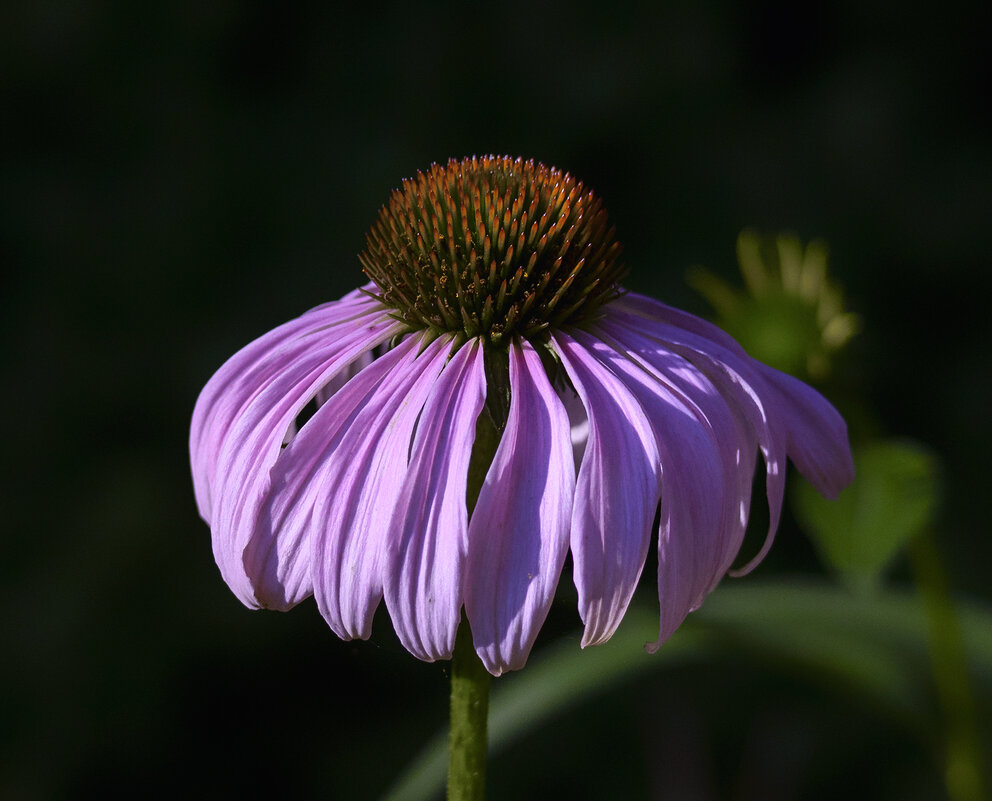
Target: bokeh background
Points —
{"points": [[177, 178]]}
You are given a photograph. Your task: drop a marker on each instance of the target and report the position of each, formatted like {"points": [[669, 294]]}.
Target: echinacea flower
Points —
{"points": [[494, 308]]}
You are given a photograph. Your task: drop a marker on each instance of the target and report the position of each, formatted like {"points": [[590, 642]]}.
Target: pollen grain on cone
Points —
{"points": [[493, 247]]}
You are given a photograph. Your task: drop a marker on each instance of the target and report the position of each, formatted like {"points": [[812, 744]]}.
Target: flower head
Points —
{"points": [[791, 315], [494, 339]]}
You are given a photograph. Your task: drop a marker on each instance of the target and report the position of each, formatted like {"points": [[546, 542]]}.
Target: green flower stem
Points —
{"points": [[964, 765], [469, 717], [469, 678]]}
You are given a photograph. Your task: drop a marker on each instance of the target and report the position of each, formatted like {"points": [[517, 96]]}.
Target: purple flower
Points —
{"points": [[494, 308]]}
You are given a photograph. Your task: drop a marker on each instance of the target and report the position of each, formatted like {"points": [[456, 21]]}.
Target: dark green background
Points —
{"points": [[177, 178]]}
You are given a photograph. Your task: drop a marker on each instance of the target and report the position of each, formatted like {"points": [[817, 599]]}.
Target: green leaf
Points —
{"points": [[892, 498], [876, 647]]}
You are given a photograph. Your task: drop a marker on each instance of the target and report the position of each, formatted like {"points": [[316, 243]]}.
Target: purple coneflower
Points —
{"points": [[494, 341]]}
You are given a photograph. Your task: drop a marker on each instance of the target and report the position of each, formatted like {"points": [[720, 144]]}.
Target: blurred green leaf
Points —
{"points": [[877, 647], [891, 499]]}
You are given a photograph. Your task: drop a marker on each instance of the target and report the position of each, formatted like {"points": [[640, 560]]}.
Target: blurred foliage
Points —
{"points": [[893, 498], [874, 650], [790, 315]]}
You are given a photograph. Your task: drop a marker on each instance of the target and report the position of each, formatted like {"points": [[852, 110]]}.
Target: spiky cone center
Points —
{"points": [[493, 247]]}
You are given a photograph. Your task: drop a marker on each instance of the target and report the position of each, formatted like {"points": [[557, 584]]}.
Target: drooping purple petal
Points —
{"points": [[616, 494], [243, 376], [256, 434], [707, 462], [344, 377], [734, 374], [817, 434], [518, 533], [688, 323], [278, 556], [719, 412], [429, 536], [786, 421], [358, 477], [578, 421]]}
